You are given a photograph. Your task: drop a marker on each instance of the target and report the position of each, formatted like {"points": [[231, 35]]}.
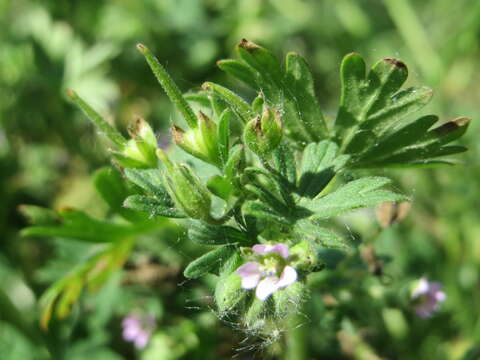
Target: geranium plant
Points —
{"points": [[266, 180]]}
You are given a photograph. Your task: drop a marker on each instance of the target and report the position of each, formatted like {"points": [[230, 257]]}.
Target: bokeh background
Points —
{"points": [[48, 152]]}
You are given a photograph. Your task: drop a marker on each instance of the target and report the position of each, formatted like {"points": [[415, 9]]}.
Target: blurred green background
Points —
{"points": [[48, 152]]}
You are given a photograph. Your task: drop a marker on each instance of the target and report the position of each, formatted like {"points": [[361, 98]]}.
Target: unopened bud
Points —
{"points": [[186, 189], [139, 151], [263, 133], [201, 141]]}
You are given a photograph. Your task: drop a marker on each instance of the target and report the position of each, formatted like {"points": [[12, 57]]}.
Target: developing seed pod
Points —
{"points": [[263, 133], [143, 144], [186, 189], [200, 141]]}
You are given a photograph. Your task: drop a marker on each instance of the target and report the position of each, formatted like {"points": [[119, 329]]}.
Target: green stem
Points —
{"points": [[172, 90], [296, 339], [105, 128]]}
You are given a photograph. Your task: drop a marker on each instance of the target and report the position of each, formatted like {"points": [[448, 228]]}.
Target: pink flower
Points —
{"points": [[138, 329], [271, 273], [428, 296]]}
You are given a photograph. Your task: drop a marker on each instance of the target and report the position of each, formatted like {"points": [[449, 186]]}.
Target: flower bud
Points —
{"points": [[201, 141], [139, 151], [186, 189], [263, 133], [304, 256]]}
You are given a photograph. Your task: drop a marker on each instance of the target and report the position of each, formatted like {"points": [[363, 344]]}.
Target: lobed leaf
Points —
{"points": [[320, 163], [113, 190], [372, 104], [210, 262], [152, 206], [207, 234], [356, 194]]}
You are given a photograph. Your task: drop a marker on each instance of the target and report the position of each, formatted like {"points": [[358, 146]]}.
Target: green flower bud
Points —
{"points": [[263, 133], [304, 256], [139, 151], [201, 141], [186, 189]]}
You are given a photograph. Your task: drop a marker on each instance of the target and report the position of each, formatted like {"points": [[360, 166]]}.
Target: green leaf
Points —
{"points": [[75, 224], [239, 106], [321, 236], [207, 234], [260, 59], [284, 163], [211, 262], [299, 83], [38, 215], [149, 180], [359, 193], [240, 71], [268, 197], [413, 144], [262, 211], [320, 164], [92, 273], [111, 187], [370, 105], [229, 292], [105, 128], [224, 135], [169, 86], [236, 162], [220, 187], [152, 206]]}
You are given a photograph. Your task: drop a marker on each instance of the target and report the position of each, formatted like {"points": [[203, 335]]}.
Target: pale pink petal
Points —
{"points": [[264, 249], [131, 332], [281, 249], [434, 287], [250, 273], [249, 269], [141, 340], [266, 287], [440, 296], [249, 282], [289, 276], [422, 288]]}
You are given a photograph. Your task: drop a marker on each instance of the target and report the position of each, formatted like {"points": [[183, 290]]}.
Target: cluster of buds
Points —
{"points": [[139, 151], [185, 188], [201, 140], [263, 133]]}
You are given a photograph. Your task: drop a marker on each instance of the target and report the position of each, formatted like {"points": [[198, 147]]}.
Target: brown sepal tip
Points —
{"points": [[248, 45], [396, 63], [142, 48]]}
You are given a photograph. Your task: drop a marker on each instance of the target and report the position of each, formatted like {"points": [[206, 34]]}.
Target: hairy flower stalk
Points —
{"points": [[271, 271]]}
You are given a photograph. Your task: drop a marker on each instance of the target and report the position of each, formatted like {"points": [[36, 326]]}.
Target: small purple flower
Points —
{"points": [[138, 329], [428, 295], [271, 273]]}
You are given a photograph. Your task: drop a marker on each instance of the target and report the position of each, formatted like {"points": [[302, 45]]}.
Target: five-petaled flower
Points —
{"points": [[270, 273], [138, 329], [428, 295]]}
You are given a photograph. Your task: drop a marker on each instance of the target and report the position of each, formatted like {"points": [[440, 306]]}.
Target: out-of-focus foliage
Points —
{"points": [[48, 151]]}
